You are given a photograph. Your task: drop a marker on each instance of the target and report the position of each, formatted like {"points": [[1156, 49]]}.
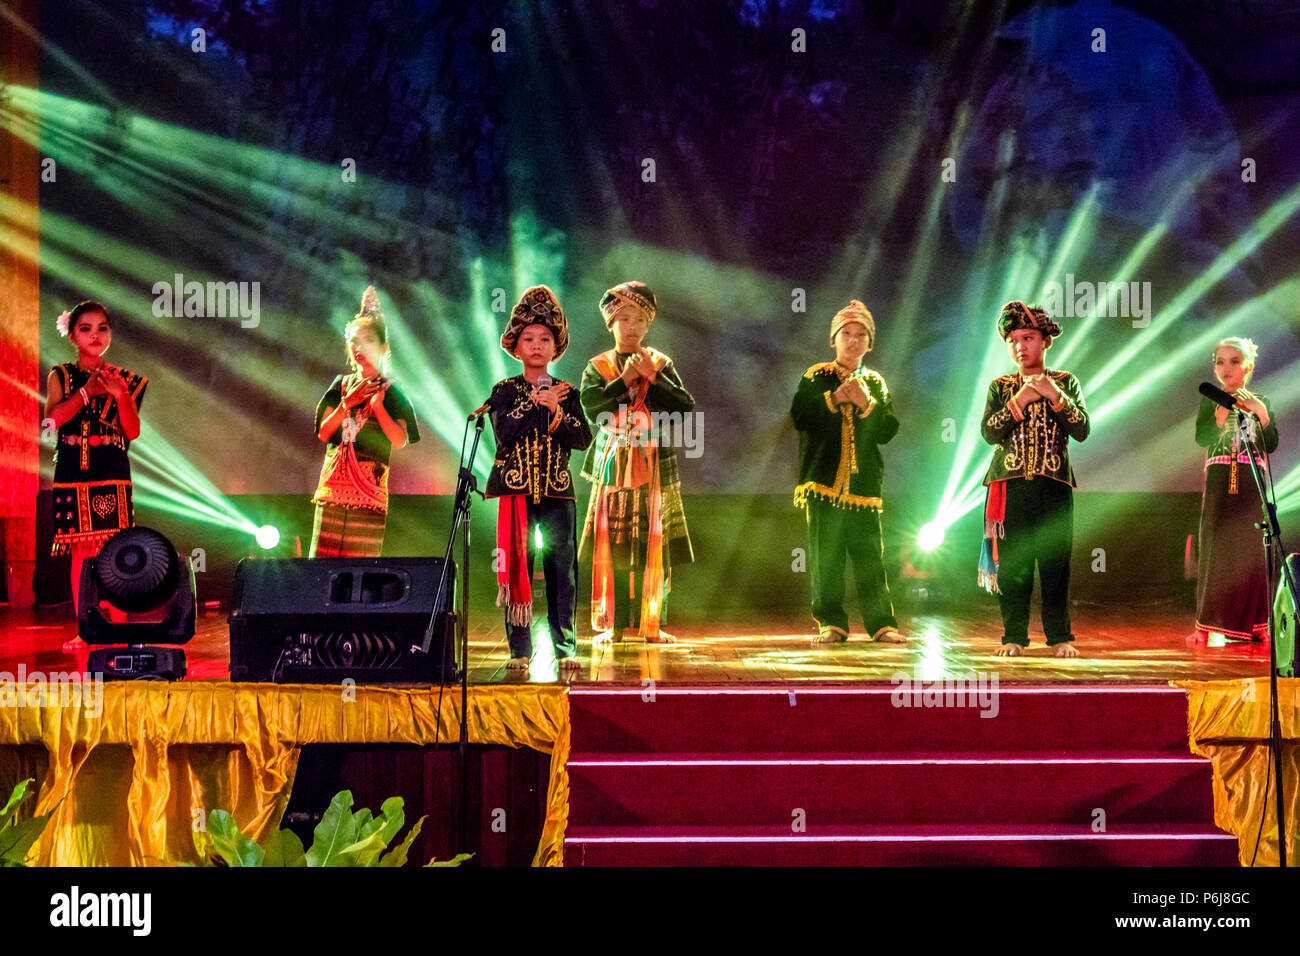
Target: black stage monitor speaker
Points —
{"points": [[324, 620], [1284, 619]]}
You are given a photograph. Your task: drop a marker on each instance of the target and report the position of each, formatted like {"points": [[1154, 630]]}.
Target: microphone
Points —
{"points": [[544, 381], [1220, 397], [486, 406]]}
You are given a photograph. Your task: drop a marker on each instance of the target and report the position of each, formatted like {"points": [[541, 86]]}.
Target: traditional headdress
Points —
{"points": [[369, 305], [855, 311], [634, 294], [537, 306], [1016, 315]]}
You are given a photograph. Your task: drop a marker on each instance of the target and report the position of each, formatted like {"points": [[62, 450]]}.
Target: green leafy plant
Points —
{"points": [[342, 838], [16, 839]]}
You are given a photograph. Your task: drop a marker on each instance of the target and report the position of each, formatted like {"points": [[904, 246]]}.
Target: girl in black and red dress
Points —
{"points": [[362, 417], [1232, 586], [96, 409]]}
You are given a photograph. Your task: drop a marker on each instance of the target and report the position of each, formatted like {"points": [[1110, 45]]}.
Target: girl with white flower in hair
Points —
{"points": [[96, 408], [1232, 586]]}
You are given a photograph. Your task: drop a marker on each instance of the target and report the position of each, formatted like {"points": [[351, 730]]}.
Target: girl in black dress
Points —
{"points": [[96, 409]]}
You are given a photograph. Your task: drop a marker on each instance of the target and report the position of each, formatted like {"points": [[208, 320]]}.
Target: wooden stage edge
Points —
{"points": [[1148, 644]]}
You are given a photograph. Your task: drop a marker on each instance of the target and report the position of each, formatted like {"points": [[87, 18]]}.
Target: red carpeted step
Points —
{"points": [[735, 789], [822, 718], [714, 775], [899, 846]]}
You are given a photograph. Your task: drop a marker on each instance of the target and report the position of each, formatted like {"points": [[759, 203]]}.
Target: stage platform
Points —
{"points": [[1151, 644], [741, 744]]}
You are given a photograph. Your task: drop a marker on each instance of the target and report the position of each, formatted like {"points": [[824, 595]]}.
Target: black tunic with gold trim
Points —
{"points": [[532, 459], [91, 490], [1035, 443], [839, 454], [840, 476]]}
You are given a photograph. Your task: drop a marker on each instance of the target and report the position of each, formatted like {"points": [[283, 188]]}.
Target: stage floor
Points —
{"points": [[1150, 644]]}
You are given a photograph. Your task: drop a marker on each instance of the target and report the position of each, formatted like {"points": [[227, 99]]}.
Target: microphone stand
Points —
{"points": [[1272, 545], [466, 486]]}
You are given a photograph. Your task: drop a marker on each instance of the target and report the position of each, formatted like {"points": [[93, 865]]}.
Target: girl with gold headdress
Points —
{"points": [[361, 418]]}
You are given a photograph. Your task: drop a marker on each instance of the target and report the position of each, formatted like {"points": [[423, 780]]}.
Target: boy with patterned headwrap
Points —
{"points": [[538, 423], [1030, 416], [635, 519], [843, 413]]}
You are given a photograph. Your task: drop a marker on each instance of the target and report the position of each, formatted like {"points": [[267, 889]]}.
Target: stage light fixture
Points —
{"points": [[930, 536], [137, 591]]}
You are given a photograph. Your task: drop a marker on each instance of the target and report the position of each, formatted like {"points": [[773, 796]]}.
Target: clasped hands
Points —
{"points": [[639, 365], [366, 391], [1037, 387], [851, 392], [107, 379]]}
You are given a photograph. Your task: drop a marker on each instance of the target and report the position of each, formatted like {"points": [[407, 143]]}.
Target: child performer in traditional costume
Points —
{"points": [[1232, 586], [361, 418], [843, 413], [538, 422], [635, 530], [1029, 513], [96, 409]]}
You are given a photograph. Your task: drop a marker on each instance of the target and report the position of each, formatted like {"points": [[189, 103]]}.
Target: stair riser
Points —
{"points": [[624, 723], [1198, 853], [881, 795]]}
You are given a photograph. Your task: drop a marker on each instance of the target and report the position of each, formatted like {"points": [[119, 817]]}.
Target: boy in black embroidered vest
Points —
{"points": [[843, 414], [538, 423], [1030, 416]]}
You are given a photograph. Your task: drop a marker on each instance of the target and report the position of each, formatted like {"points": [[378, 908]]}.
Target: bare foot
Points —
{"points": [[570, 664], [604, 637], [1065, 649], [891, 635], [663, 637], [829, 635], [517, 664], [1010, 650], [74, 646]]}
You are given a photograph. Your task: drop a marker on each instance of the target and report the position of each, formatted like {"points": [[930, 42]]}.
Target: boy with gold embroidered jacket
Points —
{"points": [[635, 532], [538, 423], [1030, 416], [843, 413]]}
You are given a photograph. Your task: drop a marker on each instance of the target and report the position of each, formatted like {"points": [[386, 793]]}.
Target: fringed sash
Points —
{"points": [[995, 517], [514, 586], [630, 459]]}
